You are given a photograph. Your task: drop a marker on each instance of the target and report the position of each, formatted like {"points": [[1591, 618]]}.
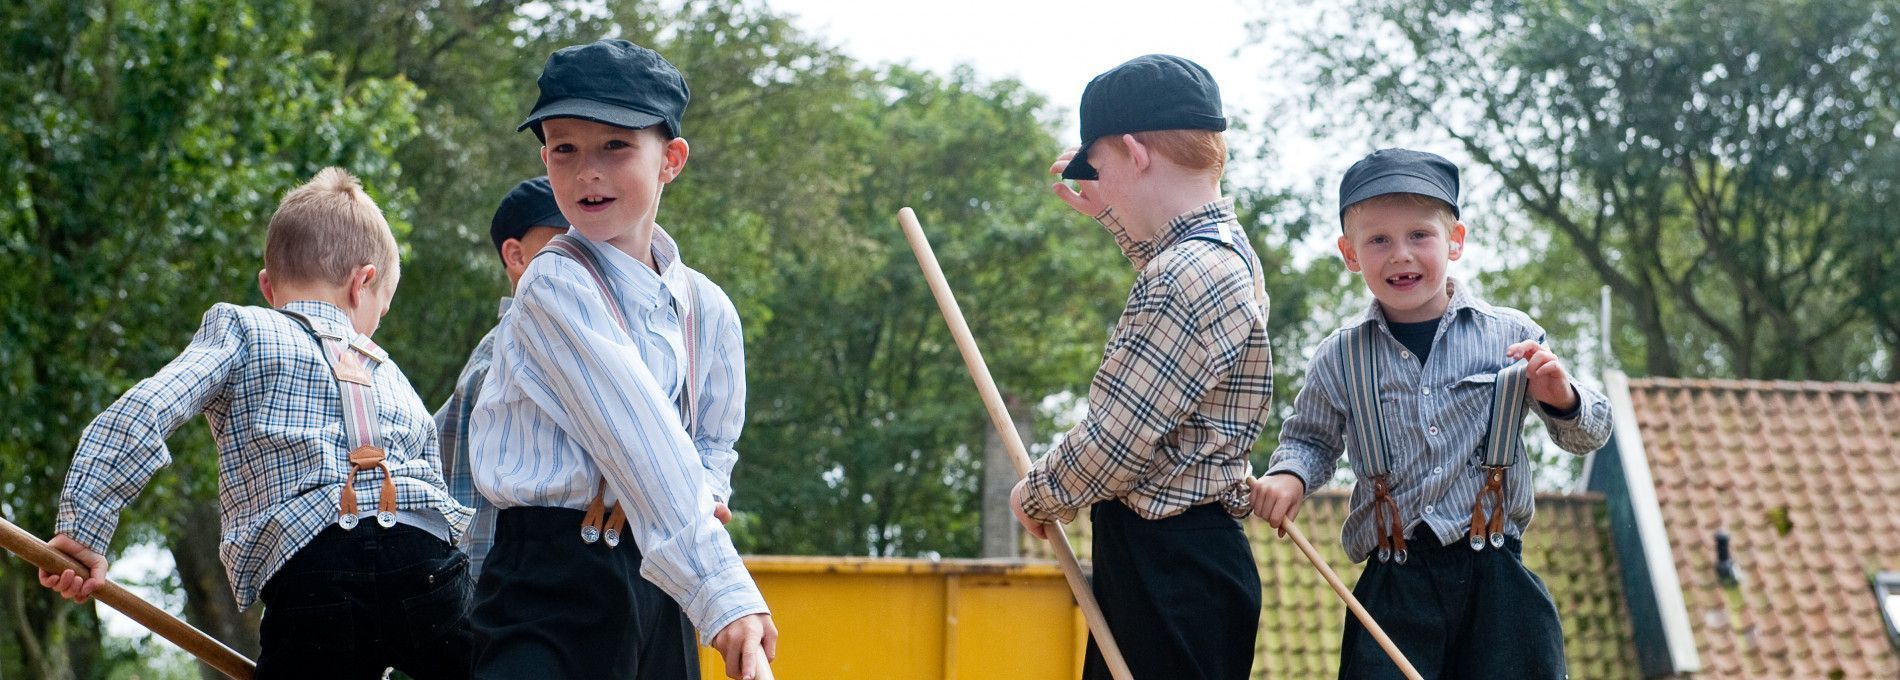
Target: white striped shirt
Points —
{"points": [[1435, 418], [571, 397]]}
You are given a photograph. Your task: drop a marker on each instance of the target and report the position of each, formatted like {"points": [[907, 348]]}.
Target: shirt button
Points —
{"points": [[1425, 390], [1403, 354], [1438, 471], [1433, 429], [1428, 509]]}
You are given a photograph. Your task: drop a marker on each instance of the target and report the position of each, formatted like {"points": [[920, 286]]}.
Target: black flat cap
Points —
{"points": [[1153, 92], [613, 82], [530, 204]]}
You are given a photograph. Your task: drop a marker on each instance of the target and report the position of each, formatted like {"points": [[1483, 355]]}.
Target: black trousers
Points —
{"points": [[352, 603], [550, 606], [1181, 595], [1456, 613]]}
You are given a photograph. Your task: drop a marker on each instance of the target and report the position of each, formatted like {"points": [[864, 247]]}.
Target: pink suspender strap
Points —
{"points": [[593, 526], [353, 361]]}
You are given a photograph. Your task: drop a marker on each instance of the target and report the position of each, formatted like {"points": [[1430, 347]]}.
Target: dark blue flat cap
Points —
{"points": [[613, 82], [1153, 92], [1399, 171], [530, 204]]}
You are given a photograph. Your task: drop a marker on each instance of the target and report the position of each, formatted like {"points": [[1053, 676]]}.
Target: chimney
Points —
{"points": [[1724, 562]]}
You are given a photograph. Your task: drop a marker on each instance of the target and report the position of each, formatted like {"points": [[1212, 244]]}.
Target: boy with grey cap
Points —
{"points": [[618, 383], [1427, 392], [1160, 461]]}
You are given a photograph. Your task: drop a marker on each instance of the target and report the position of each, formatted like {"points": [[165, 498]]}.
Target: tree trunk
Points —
{"points": [[209, 604], [1002, 535]]}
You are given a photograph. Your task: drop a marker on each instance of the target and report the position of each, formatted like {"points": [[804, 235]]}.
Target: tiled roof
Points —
{"points": [[1805, 478], [1300, 621]]}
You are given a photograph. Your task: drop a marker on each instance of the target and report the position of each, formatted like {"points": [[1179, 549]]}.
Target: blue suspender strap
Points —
{"points": [[593, 526], [353, 362], [1503, 446], [1365, 433]]}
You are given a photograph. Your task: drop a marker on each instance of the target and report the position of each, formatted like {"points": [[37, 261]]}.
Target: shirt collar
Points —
{"points": [[1461, 299], [1142, 252], [636, 279], [506, 302], [331, 319]]}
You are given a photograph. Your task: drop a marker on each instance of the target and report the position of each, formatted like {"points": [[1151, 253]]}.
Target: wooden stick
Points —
{"points": [[999, 417], [226, 660], [1358, 611]]}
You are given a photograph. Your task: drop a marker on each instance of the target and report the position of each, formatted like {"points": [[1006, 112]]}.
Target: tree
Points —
{"points": [[1706, 161]]}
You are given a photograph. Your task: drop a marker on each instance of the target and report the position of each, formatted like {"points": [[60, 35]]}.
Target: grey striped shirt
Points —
{"points": [[1435, 417]]}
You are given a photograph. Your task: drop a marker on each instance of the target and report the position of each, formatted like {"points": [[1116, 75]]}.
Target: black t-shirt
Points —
{"points": [[1415, 336]]}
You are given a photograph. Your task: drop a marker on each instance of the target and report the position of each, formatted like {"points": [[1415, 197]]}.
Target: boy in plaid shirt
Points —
{"points": [[309, 415], [1161, 459]]}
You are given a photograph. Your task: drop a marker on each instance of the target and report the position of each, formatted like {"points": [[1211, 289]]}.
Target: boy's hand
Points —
{"points": [[70, 585], [1084, 202], [722, 513], [1037, 529], [1277, 499], [1549, 382], [748, 645]]}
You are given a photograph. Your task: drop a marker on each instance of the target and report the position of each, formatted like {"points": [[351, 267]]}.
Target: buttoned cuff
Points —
{"points": [[722, 598], [1039, 501]]}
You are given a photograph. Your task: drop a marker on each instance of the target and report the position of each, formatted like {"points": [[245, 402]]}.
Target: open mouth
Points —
{"points": [[1404, 281], [594, 203]]}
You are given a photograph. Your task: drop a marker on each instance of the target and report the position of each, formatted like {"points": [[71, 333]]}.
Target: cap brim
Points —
{"points": [[1397, 183], [554, 219], [588, 109], [1079, 167]]}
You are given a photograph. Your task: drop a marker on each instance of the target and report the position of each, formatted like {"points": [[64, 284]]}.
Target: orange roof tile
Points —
{"points": [[1818, 461]]}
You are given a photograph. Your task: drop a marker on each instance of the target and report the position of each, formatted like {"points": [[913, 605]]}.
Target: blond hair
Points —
{"points": [[327, 228], [1441, 209]]}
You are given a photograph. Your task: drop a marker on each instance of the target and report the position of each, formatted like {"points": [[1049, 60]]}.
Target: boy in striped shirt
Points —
{"points": [[618, 383], [1427, 387], [309, 415]]}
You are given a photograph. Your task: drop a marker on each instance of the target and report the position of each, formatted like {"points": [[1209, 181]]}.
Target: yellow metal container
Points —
{"points": [[845, 618]]}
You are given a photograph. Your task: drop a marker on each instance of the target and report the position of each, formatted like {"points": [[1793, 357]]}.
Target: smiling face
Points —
{"points": [[608, 179], [1401, 245]]}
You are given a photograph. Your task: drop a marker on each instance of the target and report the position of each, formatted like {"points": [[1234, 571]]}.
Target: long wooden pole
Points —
{"points": [[1358, 610], [215, 654], [999, 417]]}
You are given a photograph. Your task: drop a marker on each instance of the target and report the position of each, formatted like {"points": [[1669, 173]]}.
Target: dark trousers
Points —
{"points": [[1181, 595], [550, 606], [352, 603], [1456, 613]]}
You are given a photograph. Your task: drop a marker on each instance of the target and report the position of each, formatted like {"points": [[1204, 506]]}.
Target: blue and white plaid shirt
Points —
{"points": [[452, 421], [262, 382], [571, 398], [1435, 417]]}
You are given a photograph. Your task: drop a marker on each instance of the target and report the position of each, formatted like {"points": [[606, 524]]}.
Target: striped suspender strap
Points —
{"points": [[1366, 434], [1503, 446], [353, 362], [594, 527]]}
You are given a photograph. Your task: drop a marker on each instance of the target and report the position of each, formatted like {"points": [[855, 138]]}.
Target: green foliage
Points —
{"points": [[1720, 166]]}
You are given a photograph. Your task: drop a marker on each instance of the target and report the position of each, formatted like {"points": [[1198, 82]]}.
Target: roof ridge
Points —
{"points": [[1753, 385]]}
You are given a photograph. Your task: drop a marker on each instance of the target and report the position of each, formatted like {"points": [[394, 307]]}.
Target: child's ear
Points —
{"points": [[1137, 152], [1456, 240], [263, 286], [675, 162], [513, 257], [360, 284], [1346, 251]]}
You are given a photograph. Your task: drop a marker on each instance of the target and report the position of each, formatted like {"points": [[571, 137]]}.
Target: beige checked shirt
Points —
{"points": [[1184, 385]]}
